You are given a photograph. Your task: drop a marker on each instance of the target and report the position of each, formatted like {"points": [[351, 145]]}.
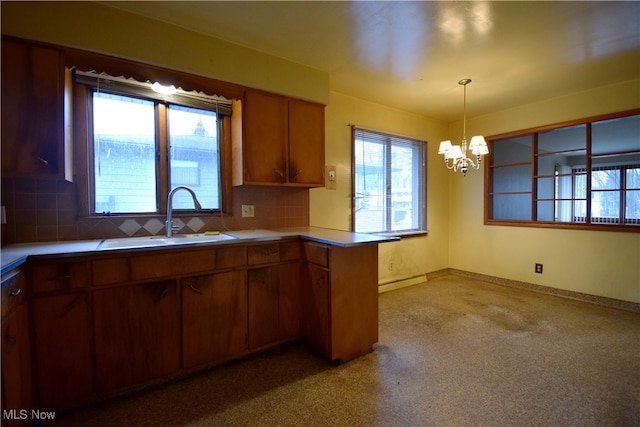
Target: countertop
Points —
{"points": [[12, 256]]}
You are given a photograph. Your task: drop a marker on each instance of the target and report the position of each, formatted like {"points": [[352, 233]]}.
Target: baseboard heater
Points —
{"points": [[403, 282]]}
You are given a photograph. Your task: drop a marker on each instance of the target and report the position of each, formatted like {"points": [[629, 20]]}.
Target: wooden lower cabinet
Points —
{"points": [[137, 334], [214, 317], [98, 332], [63, 349], [16, 367], [316, 314], [274, 304], [340, 299], [17, 383]]}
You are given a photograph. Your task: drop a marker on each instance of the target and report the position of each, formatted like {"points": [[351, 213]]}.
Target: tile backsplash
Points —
{"points": [[41, 210]]}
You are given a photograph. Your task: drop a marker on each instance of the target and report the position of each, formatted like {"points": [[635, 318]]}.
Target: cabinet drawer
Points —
{"points": [[172, 264], [316, 253], [61, 276], [13, 292], [231, 257], [273, 252], [290, 251], [111, 271]]}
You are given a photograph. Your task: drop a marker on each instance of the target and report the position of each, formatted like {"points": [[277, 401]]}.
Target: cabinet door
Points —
{"points": [[354, 300], [306, 143], [290, 294], [63, 349], [60, 276], [32, 109], [16, 364], [137, 333], [214, 317], [315, 295], [274, 304], [265, 139]]}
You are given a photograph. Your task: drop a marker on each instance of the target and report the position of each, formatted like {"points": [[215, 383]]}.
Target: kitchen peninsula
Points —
{"points": [[89, 319]]}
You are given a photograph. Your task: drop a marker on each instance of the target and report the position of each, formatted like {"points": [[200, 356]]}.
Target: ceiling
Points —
{"points": [[410, 55]]}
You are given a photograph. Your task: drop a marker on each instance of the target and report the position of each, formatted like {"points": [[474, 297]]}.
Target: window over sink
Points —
{"points": [[140, 145]]}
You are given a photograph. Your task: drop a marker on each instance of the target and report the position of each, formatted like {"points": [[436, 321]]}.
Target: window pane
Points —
{"points": [[549, 163], [633, 177], [194, 156], [616, 135], [562, 139], [512, 179], [605, 204], [370, 193], [511, 206], [406, 196], [632, 210], [547, 187], [512, 150], [605, 179], [124, 154]]}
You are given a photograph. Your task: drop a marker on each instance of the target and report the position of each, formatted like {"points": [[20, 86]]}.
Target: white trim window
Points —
{"points": [[388, 183]]}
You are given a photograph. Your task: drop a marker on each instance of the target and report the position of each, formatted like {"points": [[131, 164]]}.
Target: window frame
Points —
{"points": [[389, 140], [83, 153], [533, 134]]}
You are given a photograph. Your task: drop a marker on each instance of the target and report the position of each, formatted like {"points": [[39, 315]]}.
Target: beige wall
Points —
{"points": [[595, 262], [332, 208]]}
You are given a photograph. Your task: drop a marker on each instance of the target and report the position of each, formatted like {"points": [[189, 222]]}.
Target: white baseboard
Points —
{"points": [[401, 283]]}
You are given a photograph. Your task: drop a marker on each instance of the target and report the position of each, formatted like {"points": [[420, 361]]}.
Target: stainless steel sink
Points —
{"points": [[154, 241]]}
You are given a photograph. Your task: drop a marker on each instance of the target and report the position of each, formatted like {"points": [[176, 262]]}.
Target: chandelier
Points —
{"points": [[455, 156]]}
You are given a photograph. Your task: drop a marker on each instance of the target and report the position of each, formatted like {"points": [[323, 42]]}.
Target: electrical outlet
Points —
{"points": [[248, 211], [390, 265], [538, 268]]}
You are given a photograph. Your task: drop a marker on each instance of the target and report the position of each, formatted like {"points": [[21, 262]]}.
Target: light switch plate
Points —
{"points": [[331, 178]]}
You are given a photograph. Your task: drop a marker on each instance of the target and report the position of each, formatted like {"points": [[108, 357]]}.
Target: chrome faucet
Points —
{"points": [[168, 224]]}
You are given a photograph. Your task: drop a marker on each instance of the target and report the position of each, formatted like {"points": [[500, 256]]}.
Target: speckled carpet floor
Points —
{"points": [[452, 352]]}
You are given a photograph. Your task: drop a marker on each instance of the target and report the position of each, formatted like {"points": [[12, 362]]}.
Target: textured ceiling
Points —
{"points": [[410, 55]]}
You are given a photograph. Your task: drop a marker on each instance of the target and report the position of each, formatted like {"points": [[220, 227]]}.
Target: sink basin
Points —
{"points": [[153, 241]]}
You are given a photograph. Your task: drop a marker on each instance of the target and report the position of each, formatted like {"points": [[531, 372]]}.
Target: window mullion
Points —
{"points": [[588, 178], [623, 186], [162, 156], [534, 173], [388, 189]]}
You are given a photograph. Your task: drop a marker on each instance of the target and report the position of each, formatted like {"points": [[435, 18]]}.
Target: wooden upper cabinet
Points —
{"points": [[306, 143], [281, 142], [33, 105], [265, 138]]}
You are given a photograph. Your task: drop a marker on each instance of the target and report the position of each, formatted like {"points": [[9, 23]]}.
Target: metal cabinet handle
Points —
{"points": [[11, 340], [196, 290], [279, 173], [41, 160], [164, 293], [16, 292], [254, 276], [295, 175], [61, 277], [68, 309]]}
